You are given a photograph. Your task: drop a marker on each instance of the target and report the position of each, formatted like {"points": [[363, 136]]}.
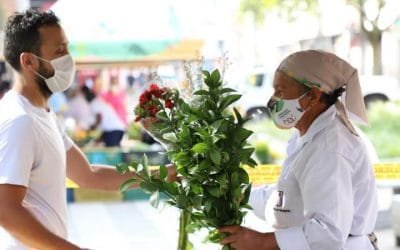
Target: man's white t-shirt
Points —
{"points": [[33, 154]]}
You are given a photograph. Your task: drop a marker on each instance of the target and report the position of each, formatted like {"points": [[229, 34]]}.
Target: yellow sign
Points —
{"points": [[269, 173]]}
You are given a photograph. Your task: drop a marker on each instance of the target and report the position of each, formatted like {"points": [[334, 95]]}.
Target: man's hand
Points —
{"points": [[172, 174], [242, 238]]}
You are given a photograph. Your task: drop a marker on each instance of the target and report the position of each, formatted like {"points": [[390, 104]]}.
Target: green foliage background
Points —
{"points": [[384, 129]]}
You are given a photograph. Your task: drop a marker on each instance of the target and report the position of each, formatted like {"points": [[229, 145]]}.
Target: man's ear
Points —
{"points": [[27, 61]]}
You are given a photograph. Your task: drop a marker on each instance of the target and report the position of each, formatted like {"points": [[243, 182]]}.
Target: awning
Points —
{"points": [[120, 32]]}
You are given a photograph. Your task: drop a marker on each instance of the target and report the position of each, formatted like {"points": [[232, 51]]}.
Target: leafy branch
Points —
{"points": [[209, 148]]}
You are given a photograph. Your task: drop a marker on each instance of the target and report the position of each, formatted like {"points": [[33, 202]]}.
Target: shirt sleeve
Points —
{"points": [[326, 185], [258, 199], [17, 151], [68, 142]]}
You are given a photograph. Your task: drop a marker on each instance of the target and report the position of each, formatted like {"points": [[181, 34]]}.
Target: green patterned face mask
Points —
{"points": [[285, 113]]}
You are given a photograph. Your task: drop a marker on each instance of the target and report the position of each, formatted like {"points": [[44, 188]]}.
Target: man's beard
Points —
{"points": [[43, 88]]}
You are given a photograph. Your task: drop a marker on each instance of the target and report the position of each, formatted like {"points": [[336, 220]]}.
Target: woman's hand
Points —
{"points": [[242, 238]]}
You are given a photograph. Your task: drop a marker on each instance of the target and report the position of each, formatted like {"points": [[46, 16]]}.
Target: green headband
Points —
{"points": [[302, 81]]}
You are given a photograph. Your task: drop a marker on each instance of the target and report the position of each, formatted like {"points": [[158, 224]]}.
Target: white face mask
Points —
{"points": [[285, 113], [64, 72]]}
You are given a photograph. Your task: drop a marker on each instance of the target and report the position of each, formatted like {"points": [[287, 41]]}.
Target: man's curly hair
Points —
{"points": [[22, 33]]}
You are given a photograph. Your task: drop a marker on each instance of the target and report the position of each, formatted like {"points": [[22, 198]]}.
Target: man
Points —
{"points": [[35, 155], [326, 194]]}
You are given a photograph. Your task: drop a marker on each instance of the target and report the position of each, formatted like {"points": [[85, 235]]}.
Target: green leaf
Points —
{"points": [[245, 154], [215, 125], [145, 160], [181, 201], [171, 202], [166, 130], [246, 195], [134, 165], [215, 157], [246, 206], [201, 92], [148, 187], [214, 191], [204, 164], [218, 137], [252, 163], [122, 168], [163, 172], [223, 181], [238, 116], [171, 188], [155, 199], [243, 176], [127, 184], [200, 148], [145, 165], [204, 135], [185, 132], [215, 237], [235, 180], [228, 100], [184, 106], [241, 134], [206, 73], [196, 201], [182, 157], [226, 90], [195, 188], [171, 137], [162, 115], [208, 205], [215, 76], [210, 105]]}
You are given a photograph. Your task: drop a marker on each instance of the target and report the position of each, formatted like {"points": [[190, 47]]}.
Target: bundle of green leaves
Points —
{"points": [[209, 150]]}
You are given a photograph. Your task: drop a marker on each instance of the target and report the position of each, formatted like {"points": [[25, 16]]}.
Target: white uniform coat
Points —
{"points": [[326, 191]]}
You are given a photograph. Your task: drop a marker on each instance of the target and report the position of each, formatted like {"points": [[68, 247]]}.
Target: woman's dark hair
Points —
{"points": [[22, 33], [330, 99]]}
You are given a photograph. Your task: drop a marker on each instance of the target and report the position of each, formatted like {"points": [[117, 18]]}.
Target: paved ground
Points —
{"points": [[136, 225]]}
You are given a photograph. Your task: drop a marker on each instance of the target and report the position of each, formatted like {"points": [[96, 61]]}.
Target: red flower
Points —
{"points": [[145, 97], [156, 91], [152, 110], [154, 87], [169, 104]]}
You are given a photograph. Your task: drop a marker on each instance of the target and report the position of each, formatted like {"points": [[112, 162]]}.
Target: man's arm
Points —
{"points": [[85, 175], [21, 224]]}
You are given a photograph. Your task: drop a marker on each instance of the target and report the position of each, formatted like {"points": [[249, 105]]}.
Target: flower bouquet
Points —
{"points": [[156, 111], [207, 143]]}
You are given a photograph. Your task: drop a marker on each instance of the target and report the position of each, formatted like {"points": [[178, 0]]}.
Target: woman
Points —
{"points": [[326, 193]]}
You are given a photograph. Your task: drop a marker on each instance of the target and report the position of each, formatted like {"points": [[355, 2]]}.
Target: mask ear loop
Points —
{"points": [[37, 73], [301, 97]]}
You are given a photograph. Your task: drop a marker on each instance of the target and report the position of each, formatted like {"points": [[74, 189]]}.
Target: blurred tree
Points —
{"points": [[286, 8], [375, 17]]}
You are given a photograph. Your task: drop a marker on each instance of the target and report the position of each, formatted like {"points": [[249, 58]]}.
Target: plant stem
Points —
{"points": [[183, 235]]}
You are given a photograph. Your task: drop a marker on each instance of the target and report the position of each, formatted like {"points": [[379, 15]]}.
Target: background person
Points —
{"points": [[106, 119]]}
